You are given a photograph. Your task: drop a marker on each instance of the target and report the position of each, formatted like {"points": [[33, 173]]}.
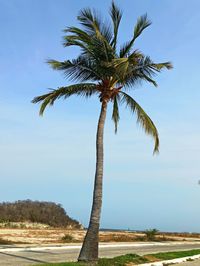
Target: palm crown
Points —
{"points": [[104, 70]]}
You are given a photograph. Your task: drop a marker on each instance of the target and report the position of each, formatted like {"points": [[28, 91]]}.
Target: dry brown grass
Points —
{"points": [[120, 237], [151, 258], [184, 235]]}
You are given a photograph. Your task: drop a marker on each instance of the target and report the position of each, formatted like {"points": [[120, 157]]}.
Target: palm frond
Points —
{"points": [[137, 76], [84, 89], [160, 66], [116, 15], [147, 64], [144, 69], [78, 34], [94, 45], [80, 69], [143, 76], [100, 34], [142, 118], [142, 23], [124, 48], [89, 21], [71, 40], [115, 113], [94, 25]]}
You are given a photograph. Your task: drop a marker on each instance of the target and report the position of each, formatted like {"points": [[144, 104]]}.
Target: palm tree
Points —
{"points": [[107, 71]]}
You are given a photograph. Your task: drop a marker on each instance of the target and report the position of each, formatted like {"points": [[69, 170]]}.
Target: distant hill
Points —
{"points": [[42, 212]]}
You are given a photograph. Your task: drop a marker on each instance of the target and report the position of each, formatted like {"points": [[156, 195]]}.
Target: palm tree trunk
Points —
{"points": [[89, 250]]}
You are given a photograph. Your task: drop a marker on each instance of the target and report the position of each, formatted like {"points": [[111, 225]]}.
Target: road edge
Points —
{"points": [[168, 262]]}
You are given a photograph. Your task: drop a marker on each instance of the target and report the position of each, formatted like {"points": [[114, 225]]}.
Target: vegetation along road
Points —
{"points": [[25, 257]]}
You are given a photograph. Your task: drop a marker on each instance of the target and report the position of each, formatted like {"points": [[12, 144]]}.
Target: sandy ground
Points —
{"points": [[39, 236], [52, 236]]}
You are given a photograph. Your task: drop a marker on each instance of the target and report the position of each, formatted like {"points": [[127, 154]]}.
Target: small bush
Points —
{"points": [[5, 242], [140, 238], [151, 234], [67, 238], [190, 259]]}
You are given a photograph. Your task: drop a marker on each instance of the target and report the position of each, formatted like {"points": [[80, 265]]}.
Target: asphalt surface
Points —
{"points": [[11, 257]]}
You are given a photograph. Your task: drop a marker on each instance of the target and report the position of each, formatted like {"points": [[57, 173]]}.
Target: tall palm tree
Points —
{"points": [[107, 71]]}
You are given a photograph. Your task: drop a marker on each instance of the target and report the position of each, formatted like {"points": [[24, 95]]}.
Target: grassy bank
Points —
{"points": [[133, 258]]}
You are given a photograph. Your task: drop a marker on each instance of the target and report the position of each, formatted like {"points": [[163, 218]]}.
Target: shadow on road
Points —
{"points": [[41, 252], [22, 257]]}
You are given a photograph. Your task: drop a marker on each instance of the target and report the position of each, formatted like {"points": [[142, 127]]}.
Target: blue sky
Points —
{"points": [[53, 158]]}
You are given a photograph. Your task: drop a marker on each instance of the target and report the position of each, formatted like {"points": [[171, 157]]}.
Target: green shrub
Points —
{"points": [[67, 238], [151, 234]]}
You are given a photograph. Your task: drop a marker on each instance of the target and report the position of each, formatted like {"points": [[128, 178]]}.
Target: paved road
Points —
{"points": [[11, 257]]}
